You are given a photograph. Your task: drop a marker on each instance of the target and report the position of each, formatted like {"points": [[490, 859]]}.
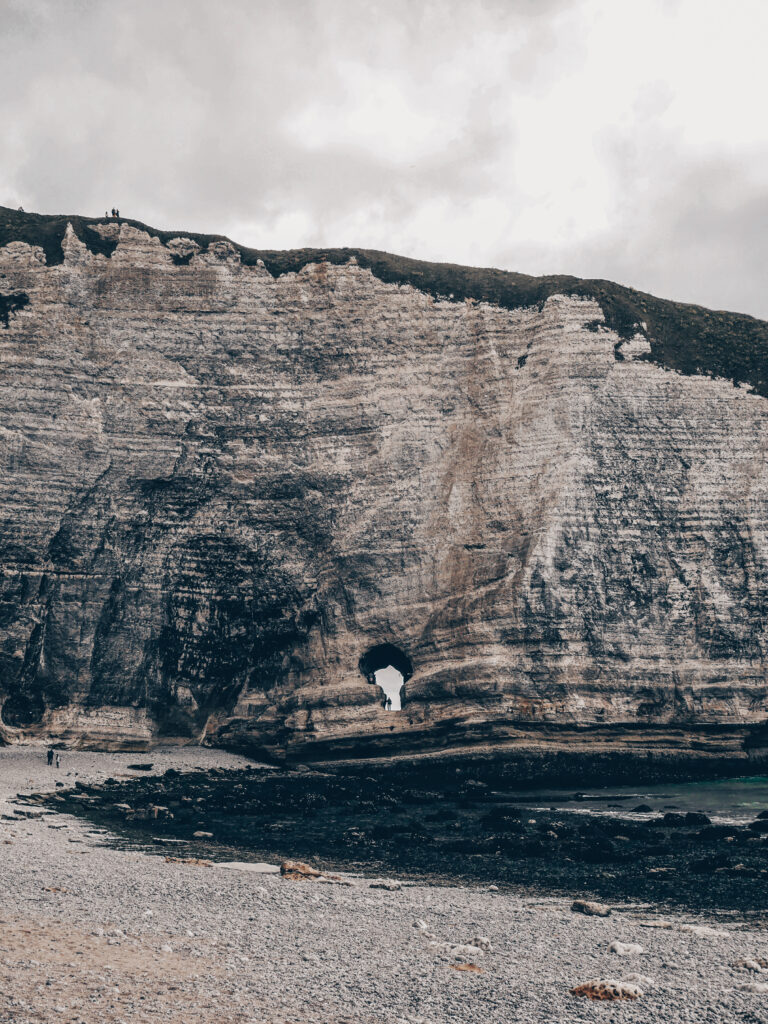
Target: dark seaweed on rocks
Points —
{"points": [[683, 337], [429, 824]]}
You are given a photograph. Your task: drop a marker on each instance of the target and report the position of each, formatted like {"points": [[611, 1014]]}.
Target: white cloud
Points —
{"points": [[614, 138], [375, 115]]}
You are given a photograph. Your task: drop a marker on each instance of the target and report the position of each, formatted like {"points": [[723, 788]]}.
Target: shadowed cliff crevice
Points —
{"points": [[10, 304], [26, 704], [232, 618]]}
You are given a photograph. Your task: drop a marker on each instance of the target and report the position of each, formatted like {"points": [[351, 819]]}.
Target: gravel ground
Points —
{"points": [[91, 933]]}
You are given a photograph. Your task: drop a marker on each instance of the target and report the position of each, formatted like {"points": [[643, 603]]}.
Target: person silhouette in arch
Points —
{"points": [[389, 703]]}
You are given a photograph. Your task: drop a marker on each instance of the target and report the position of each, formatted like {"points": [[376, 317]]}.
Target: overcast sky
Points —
{"points": [[625, 139]]}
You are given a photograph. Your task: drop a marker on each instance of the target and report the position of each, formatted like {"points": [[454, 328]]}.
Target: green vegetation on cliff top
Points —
{"points": [[683, 337]]}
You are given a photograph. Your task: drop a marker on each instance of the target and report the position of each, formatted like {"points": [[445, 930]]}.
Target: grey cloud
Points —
{"points": [[696, 234], [181, 130], [178, 112], [705, 236]]}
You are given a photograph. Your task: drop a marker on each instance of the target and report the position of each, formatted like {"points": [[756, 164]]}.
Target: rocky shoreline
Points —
{"points": [[103, 924], [452, 828]]}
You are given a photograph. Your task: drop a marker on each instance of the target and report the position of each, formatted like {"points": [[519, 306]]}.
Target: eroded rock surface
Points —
{"points": [[222, 488]]}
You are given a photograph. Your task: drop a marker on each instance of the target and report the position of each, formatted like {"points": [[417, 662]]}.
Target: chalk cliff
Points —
{"points": [[228, 478]]}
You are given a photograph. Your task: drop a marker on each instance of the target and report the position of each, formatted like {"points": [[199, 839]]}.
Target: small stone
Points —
{"points": [[751, 964], [189, 860], [298, 870], [590, 908], [671, 820], [607, 989], [455, 950], [642, 980], [625, 948], [695, 818], [704, 931]]}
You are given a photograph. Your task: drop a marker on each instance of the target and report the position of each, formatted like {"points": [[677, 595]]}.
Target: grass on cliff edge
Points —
{"points": [[683, 337]]}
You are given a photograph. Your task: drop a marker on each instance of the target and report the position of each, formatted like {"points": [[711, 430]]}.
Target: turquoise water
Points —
{"points": [[723, 799]]}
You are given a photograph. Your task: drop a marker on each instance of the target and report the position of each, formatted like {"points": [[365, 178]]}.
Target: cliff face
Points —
{"points": [[222, 487]]}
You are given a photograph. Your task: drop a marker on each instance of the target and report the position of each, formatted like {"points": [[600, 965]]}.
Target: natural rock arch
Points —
{"points": [[383, 655]]}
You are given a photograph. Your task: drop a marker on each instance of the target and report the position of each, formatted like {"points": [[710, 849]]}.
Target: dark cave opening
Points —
{"points": [[21, 710], [387, 667]]}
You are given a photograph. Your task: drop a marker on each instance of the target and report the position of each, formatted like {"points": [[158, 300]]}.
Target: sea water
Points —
{"points": [[724, 800]]}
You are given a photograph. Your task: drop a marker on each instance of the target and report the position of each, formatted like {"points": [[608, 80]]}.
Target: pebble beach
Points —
{"points": [[92, 932]]}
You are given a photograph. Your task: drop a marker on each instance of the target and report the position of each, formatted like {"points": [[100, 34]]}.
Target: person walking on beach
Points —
{"points": [[58, 762], [50, 756]]}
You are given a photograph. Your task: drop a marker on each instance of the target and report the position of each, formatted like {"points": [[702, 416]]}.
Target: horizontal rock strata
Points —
{"points": [[223, 487]]}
